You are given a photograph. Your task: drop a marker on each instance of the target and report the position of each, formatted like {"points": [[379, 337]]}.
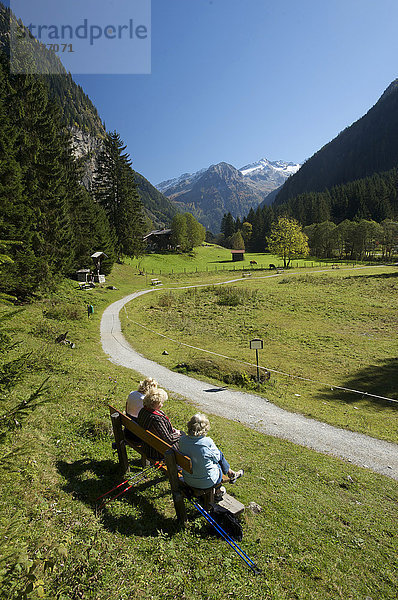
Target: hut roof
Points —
{"points": [[157, 232]]}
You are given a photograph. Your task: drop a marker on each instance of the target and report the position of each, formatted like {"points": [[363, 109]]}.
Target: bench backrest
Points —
{"points": [[152, 440]]}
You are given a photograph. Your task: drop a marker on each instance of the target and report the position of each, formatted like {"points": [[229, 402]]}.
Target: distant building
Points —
{"points": [[83, 275], [97, 258], [237, 255], [160, 239]]}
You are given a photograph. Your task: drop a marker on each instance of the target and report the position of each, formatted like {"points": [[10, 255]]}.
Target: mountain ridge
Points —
{"points": [[366, 147], [222, 188]]}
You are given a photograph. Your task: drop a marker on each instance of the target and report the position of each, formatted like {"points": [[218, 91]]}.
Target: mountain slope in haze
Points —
{"points": [[368, 146], [209, 193]]}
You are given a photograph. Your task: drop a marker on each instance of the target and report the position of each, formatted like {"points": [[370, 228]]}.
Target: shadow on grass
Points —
{"points": [[83, 483], [380, 379]]}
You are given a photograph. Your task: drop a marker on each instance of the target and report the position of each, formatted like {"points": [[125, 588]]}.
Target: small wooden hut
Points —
{"points": [[238, 255]]}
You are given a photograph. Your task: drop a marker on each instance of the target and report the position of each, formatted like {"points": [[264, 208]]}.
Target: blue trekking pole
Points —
{"points": [[252, 565]]}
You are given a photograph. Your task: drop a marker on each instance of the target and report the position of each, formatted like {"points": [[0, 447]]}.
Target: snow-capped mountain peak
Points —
{"points": [[221, 188], [267, 166]]}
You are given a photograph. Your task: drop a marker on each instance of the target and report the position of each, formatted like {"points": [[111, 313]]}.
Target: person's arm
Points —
{"points": [[213, 450]]}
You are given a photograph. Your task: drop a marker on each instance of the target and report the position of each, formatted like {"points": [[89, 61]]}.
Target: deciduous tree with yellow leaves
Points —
{"points": [[287, 240]]}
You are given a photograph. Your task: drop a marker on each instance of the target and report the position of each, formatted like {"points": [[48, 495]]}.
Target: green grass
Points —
{"points": [[335, 328], [327, 529], [210, 258]]}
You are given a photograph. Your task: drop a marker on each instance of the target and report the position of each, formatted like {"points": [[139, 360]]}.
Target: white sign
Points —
{"points": [[256, 344]]}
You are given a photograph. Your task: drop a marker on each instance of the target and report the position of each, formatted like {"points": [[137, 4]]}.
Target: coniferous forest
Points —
{"points": [[50, 224]]}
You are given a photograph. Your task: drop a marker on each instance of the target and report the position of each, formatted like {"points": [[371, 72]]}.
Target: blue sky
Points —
{"points": [[236, 80]]}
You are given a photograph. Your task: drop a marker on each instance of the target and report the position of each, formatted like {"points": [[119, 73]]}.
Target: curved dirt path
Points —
{"points": [[254, 411]]}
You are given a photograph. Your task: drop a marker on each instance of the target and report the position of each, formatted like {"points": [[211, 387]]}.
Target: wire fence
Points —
{"points": [[250, 268]]}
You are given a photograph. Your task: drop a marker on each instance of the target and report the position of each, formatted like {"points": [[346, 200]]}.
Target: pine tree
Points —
{"points": [[228, 225], [42, 151], [115, 190], [13, 216]]}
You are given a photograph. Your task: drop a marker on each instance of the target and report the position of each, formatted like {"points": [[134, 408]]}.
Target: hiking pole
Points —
{"points": [[134, 480], [128, 480], [251, 564]]}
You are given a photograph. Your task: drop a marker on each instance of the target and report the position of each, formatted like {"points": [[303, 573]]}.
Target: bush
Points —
{"points": [[64, 312], [233, 296]]}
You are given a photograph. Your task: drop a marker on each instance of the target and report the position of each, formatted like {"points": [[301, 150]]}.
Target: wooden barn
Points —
{"points": [[160, 239], [238, 255]]}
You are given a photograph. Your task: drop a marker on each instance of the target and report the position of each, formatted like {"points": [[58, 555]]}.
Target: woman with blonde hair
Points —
{"points": [[135, 398], [208, 462], [152, 418]]}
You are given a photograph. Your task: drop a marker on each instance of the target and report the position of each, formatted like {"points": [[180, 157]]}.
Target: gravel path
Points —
{"points": [[249, 409]]}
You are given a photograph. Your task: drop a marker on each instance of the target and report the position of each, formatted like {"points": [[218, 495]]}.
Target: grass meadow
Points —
{"points": [[327, 529], [336, 328], [211, 258]]}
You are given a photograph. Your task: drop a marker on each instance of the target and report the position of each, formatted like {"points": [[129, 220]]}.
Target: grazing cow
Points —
{"points": [[253, 262], [272, 266]]}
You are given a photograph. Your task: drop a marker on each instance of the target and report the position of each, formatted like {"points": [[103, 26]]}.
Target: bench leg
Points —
{"points": [[178, 497], [119, 441], [208, 499]]}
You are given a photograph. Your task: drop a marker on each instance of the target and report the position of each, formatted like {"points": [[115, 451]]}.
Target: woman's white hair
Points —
{"points": [[198, 425], [146, 385], [155, 398]]}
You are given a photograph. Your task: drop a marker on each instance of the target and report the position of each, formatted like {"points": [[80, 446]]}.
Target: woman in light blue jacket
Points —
{"points": [[208, 462]]}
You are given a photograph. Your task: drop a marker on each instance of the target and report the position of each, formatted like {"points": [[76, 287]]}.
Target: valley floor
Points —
{"points": [[258, 413]]}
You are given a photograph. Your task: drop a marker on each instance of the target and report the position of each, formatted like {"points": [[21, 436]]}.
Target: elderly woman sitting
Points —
{"points": [[152, 418], [136, 397], [208, 462]]}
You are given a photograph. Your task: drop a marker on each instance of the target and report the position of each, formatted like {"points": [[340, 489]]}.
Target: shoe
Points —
{"points": [[236, 475]]}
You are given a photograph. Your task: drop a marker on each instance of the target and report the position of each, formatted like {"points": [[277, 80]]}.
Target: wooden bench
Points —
{"points": [[156, 282], [172, 460]]}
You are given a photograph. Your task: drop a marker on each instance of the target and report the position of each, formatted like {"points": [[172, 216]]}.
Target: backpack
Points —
{"points": [[227, 521]]}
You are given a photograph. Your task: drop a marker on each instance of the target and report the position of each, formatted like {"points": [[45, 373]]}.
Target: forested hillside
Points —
{"points": [[159, 208], [368, 146], [373, 197], [80, 116], [49, 223], [67, 187]]}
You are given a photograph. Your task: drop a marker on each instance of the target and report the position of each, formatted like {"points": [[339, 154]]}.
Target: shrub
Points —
{"points": [[166, 300], [62, 311]]}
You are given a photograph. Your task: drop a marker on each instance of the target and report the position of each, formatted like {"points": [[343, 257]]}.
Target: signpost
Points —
{"points": [[257, 345]]}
